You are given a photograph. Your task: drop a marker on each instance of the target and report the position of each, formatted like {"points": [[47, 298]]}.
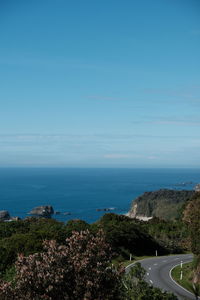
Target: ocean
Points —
{"points": [[85, 193]]}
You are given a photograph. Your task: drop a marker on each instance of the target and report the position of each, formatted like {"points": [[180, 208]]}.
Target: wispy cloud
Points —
{"points": [[94, 149], [79, 139], [116, 156], [191, 93], [178, 122], [119, 156], [192, 120], [152, 157]]}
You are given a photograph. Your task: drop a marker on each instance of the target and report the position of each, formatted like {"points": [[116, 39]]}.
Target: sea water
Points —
{"points": [[85, 193]]}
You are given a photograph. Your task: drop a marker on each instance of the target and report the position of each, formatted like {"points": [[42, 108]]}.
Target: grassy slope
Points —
{"points": [[187, 275]]}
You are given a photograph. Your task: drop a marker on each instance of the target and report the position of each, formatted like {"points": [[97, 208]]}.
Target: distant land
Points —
{"points": [[85, 194], [165, 204]]}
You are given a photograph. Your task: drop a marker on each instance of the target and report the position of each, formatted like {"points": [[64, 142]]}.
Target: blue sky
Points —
{"points": [[107, 83]]}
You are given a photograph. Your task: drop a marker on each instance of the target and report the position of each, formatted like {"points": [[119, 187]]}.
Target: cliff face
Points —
{"points": [[197, 187], [164, 204]]}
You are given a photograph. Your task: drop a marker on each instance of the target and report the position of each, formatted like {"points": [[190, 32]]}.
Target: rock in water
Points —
{"points": [[42, 211], [4, 215]]}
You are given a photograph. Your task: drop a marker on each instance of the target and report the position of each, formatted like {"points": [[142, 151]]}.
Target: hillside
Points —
{"points": [[191, 216], [165, 204]]}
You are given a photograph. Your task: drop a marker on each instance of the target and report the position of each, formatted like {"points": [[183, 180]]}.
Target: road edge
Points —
{"points": [[133, 263], [170, 275]]}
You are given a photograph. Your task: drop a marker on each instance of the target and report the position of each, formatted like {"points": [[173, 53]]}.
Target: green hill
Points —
{"points": [[164, 204]]}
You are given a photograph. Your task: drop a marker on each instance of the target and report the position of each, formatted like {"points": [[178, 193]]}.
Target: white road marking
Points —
{"points": [[150, 268], [151, 281], [170, 275], [155, 264], [147, 274]]}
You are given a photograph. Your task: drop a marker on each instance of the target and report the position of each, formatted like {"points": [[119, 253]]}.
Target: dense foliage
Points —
{"points": [[127, 236], [124, 235], [165, 204], [173, 235], [80, 269], [192, 219], [27, 236]]}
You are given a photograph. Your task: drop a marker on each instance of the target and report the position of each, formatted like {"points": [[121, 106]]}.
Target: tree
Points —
{"points": [[191, 217], [127, 236], [80, 269]]}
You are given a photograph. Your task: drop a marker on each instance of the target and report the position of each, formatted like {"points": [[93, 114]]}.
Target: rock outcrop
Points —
{"points": [[4, 215], [197, 187], [164, 204], [42, 211]]}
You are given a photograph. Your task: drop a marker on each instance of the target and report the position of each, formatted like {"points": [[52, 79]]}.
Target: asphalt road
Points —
{"points": [[158, 273]]}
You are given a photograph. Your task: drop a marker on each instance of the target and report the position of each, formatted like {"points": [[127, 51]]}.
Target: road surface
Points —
{"points": [[158, 273]]}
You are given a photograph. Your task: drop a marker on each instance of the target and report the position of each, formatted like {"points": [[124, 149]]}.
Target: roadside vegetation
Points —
{"points": [[191, 271], [191, 217], [80, 269], [187, 275], [126, 236], [41, 258]]}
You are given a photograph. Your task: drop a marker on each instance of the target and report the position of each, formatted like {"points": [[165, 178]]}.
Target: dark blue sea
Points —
{"points": [[84, 191]]}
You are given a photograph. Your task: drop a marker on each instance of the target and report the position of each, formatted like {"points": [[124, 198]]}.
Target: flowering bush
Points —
{"points": [[79, 270]]}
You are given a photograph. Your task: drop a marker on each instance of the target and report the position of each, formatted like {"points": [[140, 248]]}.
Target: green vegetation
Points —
{"points": [[192, 219], [187, 278], [79, 269], [164, 204], [125, 236], [26, 236], [133, 260], [69, 253], [171, 234], [187, 272]]}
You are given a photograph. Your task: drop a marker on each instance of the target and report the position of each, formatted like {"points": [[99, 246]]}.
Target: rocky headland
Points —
{"points": [[197, 187], [165, 204]]}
